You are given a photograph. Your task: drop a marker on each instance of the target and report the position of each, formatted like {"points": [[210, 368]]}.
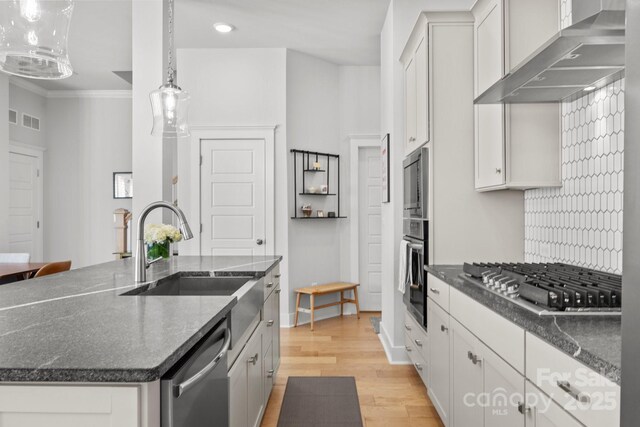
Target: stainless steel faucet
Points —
{"points": [[141, 254]]}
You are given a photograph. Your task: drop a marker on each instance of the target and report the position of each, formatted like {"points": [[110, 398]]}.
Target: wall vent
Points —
{"points": [[30, 122], [13, 117]]}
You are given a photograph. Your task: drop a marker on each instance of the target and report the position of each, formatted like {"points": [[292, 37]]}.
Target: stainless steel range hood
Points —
{"points": [[584, 56]]}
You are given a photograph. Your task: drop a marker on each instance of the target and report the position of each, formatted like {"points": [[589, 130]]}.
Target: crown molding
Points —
{"points": [[33, 88], [27, 85], [117, 94]]}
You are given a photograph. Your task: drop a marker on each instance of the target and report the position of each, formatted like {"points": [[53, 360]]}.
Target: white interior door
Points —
{"points": [[370, 199], [24, 205], [233, 194]]}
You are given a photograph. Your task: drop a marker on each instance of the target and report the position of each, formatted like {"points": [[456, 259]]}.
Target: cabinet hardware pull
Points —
{"points": [[418, 367], [270, 373], [407, 327], [573, 392], [277, 276], [270, 284], [253, 359], [412, 139], [406, 347], [474, 358], [523, 409], [277, 291], [270, 322], [498, 170], [443, 328], [435, 291], [418, 343]]}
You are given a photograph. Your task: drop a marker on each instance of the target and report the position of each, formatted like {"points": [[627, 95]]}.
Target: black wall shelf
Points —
{"points": [[303, 161]]}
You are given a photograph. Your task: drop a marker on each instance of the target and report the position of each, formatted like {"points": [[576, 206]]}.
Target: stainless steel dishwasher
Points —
{"points": [[195, 392]]}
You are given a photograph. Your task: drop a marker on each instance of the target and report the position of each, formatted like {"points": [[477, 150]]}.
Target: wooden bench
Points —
{"points": [[328, 288]]}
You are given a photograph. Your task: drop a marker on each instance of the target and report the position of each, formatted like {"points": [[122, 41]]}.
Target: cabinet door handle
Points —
{"points": [[418, 366], [409, 349], [443, 328], [523, 409], [498, 171], [474, 358], [270, 373], [270, 322], [418, 343], [573, 392], [412, 139], [277, 276], [270, 284], [253, 359], [407, 327], [277, 291], [435, 291]]}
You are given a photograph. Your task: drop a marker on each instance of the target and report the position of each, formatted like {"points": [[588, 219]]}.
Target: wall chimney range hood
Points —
{"points": [[584, 56]]}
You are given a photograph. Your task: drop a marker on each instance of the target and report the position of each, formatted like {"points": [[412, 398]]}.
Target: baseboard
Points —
{"points": [[396, 355]]}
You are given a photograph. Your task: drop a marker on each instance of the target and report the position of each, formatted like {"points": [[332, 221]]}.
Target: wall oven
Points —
{"points": [[416, 184], [415, 295]]}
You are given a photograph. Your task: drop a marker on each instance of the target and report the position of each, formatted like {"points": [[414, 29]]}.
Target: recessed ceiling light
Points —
{"points": [[221, 27], [589, 88]]}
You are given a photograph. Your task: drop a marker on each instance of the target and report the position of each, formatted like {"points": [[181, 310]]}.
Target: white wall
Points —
{"points": [[88, 139], [35, 105], [4, 164], [240, 87]]}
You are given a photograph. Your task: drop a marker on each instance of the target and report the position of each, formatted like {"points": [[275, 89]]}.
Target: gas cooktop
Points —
{"points": [[550, 288]]}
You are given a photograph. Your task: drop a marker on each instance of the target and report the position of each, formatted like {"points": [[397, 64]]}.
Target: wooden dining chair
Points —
{"points": [[53, 268]]}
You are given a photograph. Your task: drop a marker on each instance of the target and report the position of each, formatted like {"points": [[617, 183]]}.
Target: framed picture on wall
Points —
{"points": [[122, 185], [384, 168]]}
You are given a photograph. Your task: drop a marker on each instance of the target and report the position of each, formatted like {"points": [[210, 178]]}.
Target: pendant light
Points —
{"points": [[33, 38], [169, 103]]}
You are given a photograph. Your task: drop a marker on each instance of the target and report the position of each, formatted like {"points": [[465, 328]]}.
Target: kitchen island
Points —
{"points": [[76, 334]]}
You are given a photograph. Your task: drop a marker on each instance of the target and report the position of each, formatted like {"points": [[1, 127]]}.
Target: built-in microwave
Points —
{"points": [[416, 184]]}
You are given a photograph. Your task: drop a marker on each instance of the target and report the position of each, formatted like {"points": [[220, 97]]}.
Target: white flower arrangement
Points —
{"points": [[160, 233]]}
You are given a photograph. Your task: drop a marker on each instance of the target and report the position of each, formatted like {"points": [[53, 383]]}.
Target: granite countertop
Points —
{"points": [[596, 341], [76, 326]]}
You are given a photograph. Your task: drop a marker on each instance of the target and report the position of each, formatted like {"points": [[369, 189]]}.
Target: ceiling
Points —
{"points": [[345, 32], [338, 31]]}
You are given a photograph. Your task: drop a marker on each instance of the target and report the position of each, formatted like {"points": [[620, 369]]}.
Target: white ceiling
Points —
{"points": [[339, 31]]}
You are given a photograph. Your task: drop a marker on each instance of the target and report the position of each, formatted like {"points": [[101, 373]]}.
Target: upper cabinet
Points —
{"points": [[516, 146], [416, 88]]}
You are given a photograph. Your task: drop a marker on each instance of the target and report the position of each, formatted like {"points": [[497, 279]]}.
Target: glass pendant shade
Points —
{"points": [[33, 38], [170, 107]]}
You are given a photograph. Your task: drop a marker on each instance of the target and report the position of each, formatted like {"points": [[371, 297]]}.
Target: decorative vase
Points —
{"points": [[159, 250]]}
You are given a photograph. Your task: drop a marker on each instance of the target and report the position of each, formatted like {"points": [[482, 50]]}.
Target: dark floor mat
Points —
{"points": [[320, 402]]}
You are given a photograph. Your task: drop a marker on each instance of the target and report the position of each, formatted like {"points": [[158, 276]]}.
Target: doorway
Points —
{"points": [[366, 235], [25, 201]]}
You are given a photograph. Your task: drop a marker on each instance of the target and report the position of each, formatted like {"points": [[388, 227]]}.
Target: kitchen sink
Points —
{"points": [[178, 284], [249, 292]]}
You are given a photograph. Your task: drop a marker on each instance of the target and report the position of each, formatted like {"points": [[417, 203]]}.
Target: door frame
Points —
{"points": [[38, 154], [356, 142], [264, 133]]}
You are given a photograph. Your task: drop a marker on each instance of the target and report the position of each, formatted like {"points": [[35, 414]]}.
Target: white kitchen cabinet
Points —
{"points": [[272, 325], [483, 384], [246, 384], [541, 411], [517, 146], [268, 372], [416, 89], [75, 405], [439, 359]]}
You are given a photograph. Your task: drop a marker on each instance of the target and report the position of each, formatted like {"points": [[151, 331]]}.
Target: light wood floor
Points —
{"points": [[390, 395]]}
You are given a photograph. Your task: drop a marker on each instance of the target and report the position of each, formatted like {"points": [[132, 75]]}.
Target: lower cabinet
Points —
{"points": [[246, 392], [542, 411], [439, 358]]}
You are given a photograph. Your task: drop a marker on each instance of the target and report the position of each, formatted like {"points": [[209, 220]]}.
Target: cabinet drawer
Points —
{"points": [[418, 335], [416, 358], [498, 333], [543, 412], [438, 290], [585, 394], [271, 317]]}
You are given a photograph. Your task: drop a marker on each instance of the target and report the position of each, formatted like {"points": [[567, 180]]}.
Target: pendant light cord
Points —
{"points": [[170, 70]]}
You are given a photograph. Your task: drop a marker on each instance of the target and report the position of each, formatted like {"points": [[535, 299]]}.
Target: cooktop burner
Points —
{"points": [[550, 289]]}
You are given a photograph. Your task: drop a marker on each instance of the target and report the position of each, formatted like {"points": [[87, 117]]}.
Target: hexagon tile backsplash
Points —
{"points": [[581, 223]]}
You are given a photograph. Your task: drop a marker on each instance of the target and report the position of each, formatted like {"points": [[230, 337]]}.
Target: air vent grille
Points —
{"points": [[13, 117], [30, 122]]}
